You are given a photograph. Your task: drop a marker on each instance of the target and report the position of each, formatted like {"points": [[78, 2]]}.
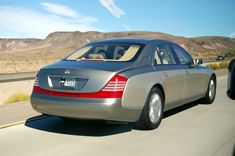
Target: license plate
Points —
{"points": [[68, 82]]}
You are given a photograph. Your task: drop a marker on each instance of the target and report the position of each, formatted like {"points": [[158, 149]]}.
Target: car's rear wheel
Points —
{"points": [[211, 91], [152, 112]]}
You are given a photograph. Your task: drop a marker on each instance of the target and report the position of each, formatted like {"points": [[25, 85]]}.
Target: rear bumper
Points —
{"points": [[83, 108]]}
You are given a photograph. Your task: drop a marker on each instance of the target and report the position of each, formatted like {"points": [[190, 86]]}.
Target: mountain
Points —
{"points": [[59, 44]]}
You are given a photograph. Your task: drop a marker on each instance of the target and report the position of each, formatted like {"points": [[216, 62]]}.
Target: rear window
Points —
{"points": [[106, 52]]}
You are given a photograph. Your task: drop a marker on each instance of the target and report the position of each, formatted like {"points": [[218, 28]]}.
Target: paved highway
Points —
{"points": [[16, 113], [192, 130]]}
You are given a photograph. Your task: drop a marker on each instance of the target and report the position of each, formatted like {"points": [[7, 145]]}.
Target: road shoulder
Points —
{"points": [[16, 113]]}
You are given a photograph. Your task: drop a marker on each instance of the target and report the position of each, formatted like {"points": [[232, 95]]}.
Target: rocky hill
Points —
{"points": [[59, 44]]}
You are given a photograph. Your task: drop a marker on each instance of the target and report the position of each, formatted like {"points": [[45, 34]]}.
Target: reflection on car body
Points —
{"points": [[133, 80]]}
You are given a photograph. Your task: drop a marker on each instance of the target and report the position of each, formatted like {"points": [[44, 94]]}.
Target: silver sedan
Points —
{"points": [[133, 80]]}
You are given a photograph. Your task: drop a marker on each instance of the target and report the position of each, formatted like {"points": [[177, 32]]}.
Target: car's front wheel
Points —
{"points": [[152, 112]]}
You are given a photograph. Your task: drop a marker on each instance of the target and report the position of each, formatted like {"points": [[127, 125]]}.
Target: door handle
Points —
{"points": [[165, 74], [187, 72]]}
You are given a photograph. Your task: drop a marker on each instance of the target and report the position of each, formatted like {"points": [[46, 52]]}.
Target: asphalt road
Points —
{"points": [[16, 113], [192, 130]]}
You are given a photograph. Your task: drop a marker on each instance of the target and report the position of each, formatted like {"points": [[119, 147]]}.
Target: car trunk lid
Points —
{"points": [[79, 77]]}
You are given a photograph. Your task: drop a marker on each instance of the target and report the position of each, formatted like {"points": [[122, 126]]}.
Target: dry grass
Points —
{"points": [[223, 65], [16, 98], [23, 66], [220, 65], [214, 66]]}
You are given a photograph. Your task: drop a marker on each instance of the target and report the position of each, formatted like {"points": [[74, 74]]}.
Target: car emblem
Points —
{"points": [[67, 71]]}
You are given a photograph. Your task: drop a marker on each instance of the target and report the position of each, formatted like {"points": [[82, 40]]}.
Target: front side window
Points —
{"points": [[165, 54], [183, 56], [106, 52]]}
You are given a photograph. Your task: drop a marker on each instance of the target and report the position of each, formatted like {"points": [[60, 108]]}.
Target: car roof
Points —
{"points": [[129, 40]]}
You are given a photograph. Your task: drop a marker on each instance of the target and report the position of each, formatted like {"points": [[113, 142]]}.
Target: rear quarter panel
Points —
{"points": [[207, 73], [140, 81]]}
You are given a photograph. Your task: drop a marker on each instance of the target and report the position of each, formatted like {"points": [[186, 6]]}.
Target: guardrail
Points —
{"points": [[17, 76]]}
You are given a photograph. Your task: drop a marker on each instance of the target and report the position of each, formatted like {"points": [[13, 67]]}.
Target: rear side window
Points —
{"points": [[156, 57], [183, 56], [165, 54], [106, 52]]}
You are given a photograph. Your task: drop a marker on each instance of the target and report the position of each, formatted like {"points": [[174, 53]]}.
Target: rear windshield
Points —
{"points": [[106, 52]]}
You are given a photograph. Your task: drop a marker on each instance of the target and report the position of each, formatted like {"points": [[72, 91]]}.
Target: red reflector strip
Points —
{"points": [[100, 94]]}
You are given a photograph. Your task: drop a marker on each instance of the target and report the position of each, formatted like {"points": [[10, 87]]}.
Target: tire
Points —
{"points": [[146, 120], [231, 80], [211, 91]]}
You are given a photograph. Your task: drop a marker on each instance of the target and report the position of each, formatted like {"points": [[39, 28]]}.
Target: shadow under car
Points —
{"points": [[91, 127]]}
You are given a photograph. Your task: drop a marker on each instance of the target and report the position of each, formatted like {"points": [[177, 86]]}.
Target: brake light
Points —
{"points": [[36, 82], [116, 84]]}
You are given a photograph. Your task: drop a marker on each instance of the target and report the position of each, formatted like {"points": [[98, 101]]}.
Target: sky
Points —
{"points": [[189, 18]]}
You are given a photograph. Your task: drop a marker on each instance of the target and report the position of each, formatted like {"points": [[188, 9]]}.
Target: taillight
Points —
{"points": [[116, 84], [36, 82]]}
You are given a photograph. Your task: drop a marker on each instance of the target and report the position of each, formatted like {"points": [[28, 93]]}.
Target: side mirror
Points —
{"points": [[198, 61]]}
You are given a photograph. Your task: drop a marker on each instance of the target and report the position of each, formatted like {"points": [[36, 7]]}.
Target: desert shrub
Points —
{"points": [[214, 66], [223, 65], [230, 53], [16, 98]]}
